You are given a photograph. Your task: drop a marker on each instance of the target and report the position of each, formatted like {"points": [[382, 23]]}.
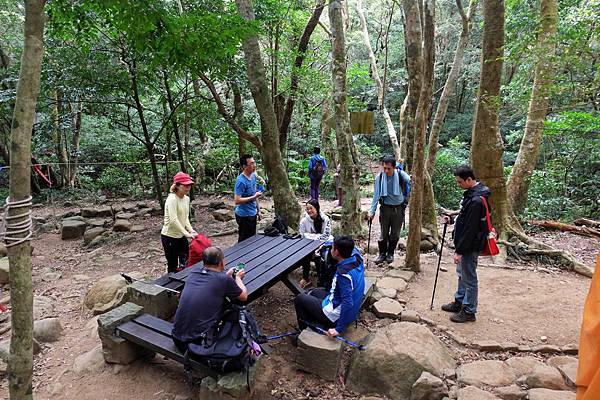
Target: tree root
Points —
{"points": [[537, 248]]}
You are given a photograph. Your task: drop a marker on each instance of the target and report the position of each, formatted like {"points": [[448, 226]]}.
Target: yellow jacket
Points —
{"points": [[177, 222], [588, 371]]}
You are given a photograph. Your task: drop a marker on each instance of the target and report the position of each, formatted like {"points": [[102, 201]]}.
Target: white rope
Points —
{"points": [[17, 228]]}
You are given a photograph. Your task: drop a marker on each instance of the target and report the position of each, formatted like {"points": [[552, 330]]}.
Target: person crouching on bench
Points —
{"points": [[203, 299], [336, 309]]}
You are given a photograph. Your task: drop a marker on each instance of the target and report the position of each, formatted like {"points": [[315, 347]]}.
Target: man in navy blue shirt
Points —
{"points": [[247, 210], [204, 297]]}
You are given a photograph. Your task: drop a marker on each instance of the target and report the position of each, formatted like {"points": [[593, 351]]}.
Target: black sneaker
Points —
{"points": [[453, 307], [462, 316]]}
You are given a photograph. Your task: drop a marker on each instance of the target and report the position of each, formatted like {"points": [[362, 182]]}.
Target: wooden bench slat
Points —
{"points": [[156, 324]]}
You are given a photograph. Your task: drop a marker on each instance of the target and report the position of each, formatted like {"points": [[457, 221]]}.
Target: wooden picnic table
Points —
{"points": [[268, 260]]}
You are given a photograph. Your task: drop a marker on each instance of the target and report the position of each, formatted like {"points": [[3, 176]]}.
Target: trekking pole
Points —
{"points": [[438, 266], [340, 338], [369, 240], [131, 279], [282, 335]]}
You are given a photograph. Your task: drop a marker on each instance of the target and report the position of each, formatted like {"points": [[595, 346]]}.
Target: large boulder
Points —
{"points": [[387, 308], [89, 362], [394, 358], [486, 373], [223, 215], [122, 225], [47, 330], [106, 294], [545, 376], [92, 234], [72, 229], [394, 283]]}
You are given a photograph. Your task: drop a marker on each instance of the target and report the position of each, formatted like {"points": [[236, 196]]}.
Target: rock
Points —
{"points": [[91, 234], [569, 372], [81, 278], [89, 212], [428, 387], [387, 292], [319, 355], [92, 327], [486, 373], [104, 211], [548, 394], [51, 276], [230, 386], [72, 229], [137, 228], [558, 361], [75, 218], [5, 349], [47, 330], [571, 348], [3, 368], [410, 316], [487, 345], [3, 250], [426, 233], [426, 246], [47, 227], [523, 365], [216, 204], [512, 392], [223, 215], [43, 307], [131, 254], [4, 271], [524, 349], [97, 241], [546, 348], [404, 274], [122, 225], [473, 393], [99, 223], [394, 358], [124, 215], [387, 308], [507, 346], [545, 376], [402, 244], [457, 338], [90, 362], [375, 297], [394, 283], [106, 294]]}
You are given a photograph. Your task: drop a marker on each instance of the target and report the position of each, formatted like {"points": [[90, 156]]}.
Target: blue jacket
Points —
{"points": [[347, 290], [313, 163]]}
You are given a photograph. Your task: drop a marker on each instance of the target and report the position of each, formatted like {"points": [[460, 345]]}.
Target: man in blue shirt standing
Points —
{"points": [[247, 210], [317, 166], [388, 193]]}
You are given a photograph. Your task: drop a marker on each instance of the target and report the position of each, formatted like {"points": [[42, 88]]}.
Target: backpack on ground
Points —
{"points": [[232, 344], [319, 168], [278, 227]]}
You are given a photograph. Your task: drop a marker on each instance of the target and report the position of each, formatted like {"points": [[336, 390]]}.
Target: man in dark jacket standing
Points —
{"points": [[470, 235], [317, 166]]}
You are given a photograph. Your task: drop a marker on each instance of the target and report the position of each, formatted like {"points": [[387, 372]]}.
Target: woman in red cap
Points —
{"points": [[176, 227]]}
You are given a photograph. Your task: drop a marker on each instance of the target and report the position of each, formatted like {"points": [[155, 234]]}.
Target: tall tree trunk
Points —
{"points": [[59, 142], [440, 113], [348, 156], [20, 363], [486, 143], [174, 123], [286, 203], [413, 244], [238, 115], [76, 111], [518, 184], [326, 140], [380, 88]]}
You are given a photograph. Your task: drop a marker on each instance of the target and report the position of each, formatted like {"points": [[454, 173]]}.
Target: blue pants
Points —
{"points": [[315, 188], [467, 282]]}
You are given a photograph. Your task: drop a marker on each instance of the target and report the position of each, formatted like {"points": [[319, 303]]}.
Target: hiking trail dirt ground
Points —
{"points": [[519, 304]]}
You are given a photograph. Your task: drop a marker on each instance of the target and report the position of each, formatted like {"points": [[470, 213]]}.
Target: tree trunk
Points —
{"points": [[380, 88], [20, 363], [326, 141], [59, 142], [518, 184], [440, 113], [286, 203], [174, 124], [238, 115], [425, 72], [348, 157], [76, 111], [486, 143]]}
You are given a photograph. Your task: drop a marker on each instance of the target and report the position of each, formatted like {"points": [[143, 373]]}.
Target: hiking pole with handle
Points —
{"points": [[438, 266], [340, 338]]}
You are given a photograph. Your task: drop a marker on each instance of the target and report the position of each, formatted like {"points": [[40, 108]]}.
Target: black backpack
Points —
{"points": [[230, 345], [278, 227]]}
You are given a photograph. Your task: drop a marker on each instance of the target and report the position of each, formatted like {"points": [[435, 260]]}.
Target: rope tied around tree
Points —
{"points": [[14, 230]]}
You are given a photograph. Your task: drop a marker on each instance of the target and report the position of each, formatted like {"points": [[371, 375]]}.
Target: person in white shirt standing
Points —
{"points": [[176, 226]]}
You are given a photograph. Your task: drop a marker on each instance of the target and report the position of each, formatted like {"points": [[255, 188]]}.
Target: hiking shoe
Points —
{"points": [[462, 316], [389, 258], [380, 258], [453, 307]]}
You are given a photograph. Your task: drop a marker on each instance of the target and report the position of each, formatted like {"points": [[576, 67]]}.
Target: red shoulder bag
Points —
{"points": [[491, 247]]}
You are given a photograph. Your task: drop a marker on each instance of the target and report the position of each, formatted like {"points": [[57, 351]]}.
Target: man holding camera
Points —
{"points": [[245, 196]]}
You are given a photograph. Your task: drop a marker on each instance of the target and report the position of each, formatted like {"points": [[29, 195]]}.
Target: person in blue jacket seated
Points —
{"points": [[335, 309]]}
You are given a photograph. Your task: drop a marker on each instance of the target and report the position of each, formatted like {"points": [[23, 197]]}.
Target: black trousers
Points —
{"points": [[308, 308], [176, 251], [246, 227]]}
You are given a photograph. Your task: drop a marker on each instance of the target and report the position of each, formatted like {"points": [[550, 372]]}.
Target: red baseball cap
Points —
{"points": [[183, 178]]}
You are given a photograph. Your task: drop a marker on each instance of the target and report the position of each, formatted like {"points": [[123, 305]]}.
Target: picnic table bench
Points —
{"points": [[268, 260]]}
